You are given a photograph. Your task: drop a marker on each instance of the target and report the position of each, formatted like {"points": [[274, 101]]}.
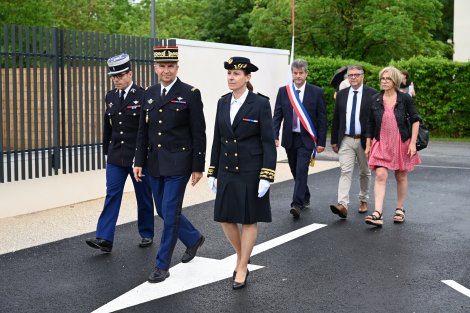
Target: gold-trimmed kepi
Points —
{"points": [[166, 51], [240, 63]]}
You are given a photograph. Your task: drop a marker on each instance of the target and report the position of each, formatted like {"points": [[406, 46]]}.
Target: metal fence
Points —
{"points": [[53, 83]]}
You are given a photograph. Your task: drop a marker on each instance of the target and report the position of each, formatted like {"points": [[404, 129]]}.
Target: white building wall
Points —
{"points": [[201, 65], [462, 30]]}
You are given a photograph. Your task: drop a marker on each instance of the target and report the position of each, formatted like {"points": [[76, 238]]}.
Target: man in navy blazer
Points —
{"points": [[347, 138], [296, 140]]}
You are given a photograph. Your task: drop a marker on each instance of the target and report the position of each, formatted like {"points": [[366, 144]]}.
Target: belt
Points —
{"points": [[353, 136]]}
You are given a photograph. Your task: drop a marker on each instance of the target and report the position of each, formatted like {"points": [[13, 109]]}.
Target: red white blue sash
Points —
{"points": [[301, 112]]}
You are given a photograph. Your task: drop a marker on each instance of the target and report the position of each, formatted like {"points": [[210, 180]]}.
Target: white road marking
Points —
{"points": [[455, 285], [445, 167], [199, 272]]}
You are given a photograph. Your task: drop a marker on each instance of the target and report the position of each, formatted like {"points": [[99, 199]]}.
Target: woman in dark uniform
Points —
{"points": [[243, 163]]}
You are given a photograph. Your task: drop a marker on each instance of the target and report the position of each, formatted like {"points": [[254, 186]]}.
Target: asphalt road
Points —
{"points": [[347, 266]]}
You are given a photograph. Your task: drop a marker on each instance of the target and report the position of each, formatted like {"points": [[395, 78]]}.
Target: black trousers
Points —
{"points": [[299, 157]]}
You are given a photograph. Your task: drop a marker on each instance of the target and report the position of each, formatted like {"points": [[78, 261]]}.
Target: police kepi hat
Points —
{"points": [[166, 51], [240, 63], [118, 64]]}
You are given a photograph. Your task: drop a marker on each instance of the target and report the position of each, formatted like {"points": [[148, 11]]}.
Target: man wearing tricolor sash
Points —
{"points": [[301, 108]]}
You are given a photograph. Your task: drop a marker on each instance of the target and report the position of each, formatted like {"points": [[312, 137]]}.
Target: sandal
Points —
{"points": [[374, 219], [399, 216]]}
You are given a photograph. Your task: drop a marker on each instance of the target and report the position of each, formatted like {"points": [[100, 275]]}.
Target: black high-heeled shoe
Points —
{"points": [[237, 285], [235, 272]]}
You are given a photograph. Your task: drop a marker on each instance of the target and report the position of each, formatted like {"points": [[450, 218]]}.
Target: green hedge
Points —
{"points": [[442, 89]]}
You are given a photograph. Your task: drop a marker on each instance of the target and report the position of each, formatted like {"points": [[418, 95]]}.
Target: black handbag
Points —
{"points": [[423, 136], [423, 132]]}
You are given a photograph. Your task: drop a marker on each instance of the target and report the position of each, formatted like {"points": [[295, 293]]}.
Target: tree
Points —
{"points": [[26, 13], [271, 24], [372, 30], [229, 21]]}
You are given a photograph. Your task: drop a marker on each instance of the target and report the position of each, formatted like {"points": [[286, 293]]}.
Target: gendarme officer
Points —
{"points": [[171, 149], [120, 126]]}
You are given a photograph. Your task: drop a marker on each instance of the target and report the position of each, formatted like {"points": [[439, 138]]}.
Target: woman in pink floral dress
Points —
{"points": [[391, 144]]}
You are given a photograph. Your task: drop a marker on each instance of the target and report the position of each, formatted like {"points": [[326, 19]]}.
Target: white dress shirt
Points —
{"points": [[236, 104], [357, 124], [301, 97]]}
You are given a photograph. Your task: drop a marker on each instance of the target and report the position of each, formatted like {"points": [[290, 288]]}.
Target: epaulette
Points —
{"points": [[194, 89], [260, 94], [228, 93]]}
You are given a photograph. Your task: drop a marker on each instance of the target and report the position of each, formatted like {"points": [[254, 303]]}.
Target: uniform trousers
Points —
{"points": [[298, 157], [168, 192], [115, 180], [349, 150]]}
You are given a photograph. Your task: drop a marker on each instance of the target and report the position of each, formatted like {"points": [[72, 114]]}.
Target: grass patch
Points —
{"points": [[448, 139]]}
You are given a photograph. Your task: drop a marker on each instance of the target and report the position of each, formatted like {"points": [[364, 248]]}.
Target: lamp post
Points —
{"points": [[153, 35]]}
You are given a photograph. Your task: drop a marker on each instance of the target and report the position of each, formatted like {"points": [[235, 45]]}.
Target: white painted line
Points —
{"points": [[455, 285], [198, 272], [445, 167]]}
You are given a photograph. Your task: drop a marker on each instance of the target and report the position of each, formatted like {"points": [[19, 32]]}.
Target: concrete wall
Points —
{"points": [[462, 30], [201, 65]]}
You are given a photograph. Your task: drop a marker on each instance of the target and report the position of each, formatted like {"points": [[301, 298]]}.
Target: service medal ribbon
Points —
{"points": [[249, 120]]}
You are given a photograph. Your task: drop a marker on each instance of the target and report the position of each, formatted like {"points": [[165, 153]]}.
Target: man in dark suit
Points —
{"points": [[121, 122], [297, 141], [170, 150], [347, 138]]}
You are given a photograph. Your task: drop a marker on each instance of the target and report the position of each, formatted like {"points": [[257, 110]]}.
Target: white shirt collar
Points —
{"points": [[240, 100], [302, 88], [351, 90], [169, 86], [126, 91]]}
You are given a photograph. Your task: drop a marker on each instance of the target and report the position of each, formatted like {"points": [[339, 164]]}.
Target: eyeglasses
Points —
{"points": [[388, 79], [354, 75], [118, 76]]}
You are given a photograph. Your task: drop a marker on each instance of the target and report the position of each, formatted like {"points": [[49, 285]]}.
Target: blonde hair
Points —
{"points": [[395, 75]]}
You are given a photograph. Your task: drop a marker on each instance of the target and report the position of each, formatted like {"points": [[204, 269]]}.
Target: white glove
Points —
{"points": [[212, 181], [263, 187]]}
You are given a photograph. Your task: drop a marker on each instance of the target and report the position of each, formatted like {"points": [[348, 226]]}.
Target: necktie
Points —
{"points": [[352, 122], [121, 96], [163, 92], [294, 115]]}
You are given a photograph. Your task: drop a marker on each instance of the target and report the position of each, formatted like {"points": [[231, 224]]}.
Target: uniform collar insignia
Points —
{"points": [[110, 104], [132, 90]]}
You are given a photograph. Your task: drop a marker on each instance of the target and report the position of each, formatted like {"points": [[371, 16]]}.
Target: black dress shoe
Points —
{"points": [[237, 285], [158, 275], [295, 212], [191, 252], [145, 242], [103, 245]]}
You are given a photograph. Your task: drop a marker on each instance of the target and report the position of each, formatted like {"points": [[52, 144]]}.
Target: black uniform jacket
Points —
{"points": [[247, 145], [404, 107], [314, 102], [172, 131], [338, 128], [120, 126]]}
